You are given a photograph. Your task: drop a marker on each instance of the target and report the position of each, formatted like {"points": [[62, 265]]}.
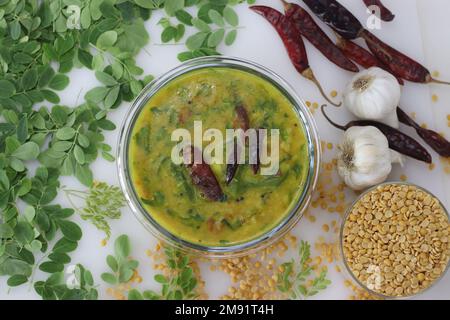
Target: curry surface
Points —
{"points": [[254, 204]]}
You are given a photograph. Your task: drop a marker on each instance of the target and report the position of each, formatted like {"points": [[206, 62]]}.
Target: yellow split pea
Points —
{"points": [[396, 239]]}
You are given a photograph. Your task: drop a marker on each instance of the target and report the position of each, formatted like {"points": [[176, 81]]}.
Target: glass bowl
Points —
{"points": [[219, 251], [341, 242]]}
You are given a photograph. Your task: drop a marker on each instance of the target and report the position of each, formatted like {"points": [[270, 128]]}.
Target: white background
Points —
{"points": [[420, 30]]}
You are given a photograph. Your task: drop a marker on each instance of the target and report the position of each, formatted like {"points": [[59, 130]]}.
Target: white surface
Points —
{"points": [[420, 29]]}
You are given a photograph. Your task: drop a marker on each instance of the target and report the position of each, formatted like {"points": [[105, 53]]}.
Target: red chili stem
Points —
{"points": [[309, 74], [432, 80], [293, 43], [307, 27], [334, 124], [386, 14]]}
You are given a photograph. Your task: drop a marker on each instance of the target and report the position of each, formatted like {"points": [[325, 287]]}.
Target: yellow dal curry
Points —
{"points": [[253, 204]]}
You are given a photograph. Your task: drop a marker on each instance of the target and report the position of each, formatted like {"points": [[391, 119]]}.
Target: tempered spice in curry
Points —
{"points": [[254, 204]]}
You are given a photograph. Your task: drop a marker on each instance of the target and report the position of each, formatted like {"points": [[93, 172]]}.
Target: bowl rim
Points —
{"points": [[341, 241], [299, 106]]}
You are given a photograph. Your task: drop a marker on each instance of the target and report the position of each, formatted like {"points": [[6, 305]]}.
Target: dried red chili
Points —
{"points": [[385, 13], [398, 141], [432, 138], [232, 167], [402, 65], [203, 178], [345, 24], [293, 42], [336, 16], [307, 27], [361, 55], [256, 166], [242, 122]]}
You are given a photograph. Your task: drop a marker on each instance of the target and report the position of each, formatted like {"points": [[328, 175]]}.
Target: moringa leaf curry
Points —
{"points": [[253, 204]]}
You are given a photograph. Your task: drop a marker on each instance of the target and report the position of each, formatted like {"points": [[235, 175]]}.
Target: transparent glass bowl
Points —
{"points": [[219, 251], [341, 243]]}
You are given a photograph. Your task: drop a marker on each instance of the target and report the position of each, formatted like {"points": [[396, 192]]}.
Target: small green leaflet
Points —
{"points": [[294, 275], [180, 284], [35, 128], [121, 266], [216, 23]]}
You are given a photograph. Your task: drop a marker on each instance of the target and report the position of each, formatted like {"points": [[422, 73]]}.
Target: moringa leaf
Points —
{"points": [[59, 82], [70, 230], [122, 246], [231, 16], [7, 88], [27, 151], [172, 6]]}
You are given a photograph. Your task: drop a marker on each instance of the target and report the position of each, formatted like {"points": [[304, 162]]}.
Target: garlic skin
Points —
{"points": [[373, 94], [364, 157]]}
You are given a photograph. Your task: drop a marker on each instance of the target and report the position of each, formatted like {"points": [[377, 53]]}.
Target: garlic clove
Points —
{"points": [[364, 157], [373, 94]]}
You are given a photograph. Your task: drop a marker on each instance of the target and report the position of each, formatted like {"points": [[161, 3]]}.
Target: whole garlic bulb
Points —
{"points": [[373, 94], [364, 157]]}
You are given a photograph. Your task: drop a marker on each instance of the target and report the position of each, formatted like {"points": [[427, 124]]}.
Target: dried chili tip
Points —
{"points": [[385, 13], [231, 172], [432, 138], [242, 117]]}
